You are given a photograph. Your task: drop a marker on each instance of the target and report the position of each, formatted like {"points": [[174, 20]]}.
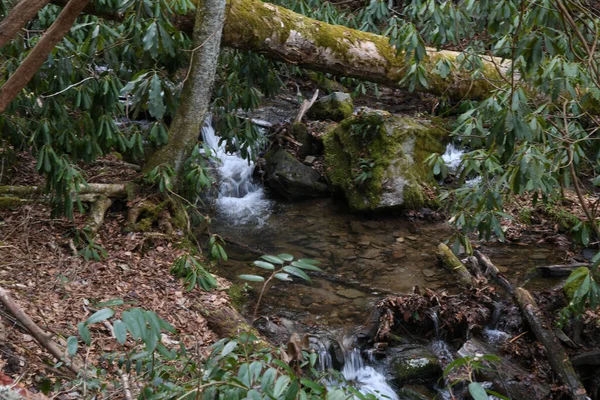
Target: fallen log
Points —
{"points": [[117, 190], [560, 270], [555, 353], [283, 35], [454, 265]]}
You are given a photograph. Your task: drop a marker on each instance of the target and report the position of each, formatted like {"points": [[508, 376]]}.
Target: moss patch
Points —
{"points": [[395, 147], [9, 202]]}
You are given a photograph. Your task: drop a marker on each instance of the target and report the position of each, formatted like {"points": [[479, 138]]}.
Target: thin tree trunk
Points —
{"points": [[40, 52], [22, 13], [185, 129]]}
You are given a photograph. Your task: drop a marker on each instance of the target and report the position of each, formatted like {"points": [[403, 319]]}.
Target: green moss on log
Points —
{"points": [[10, 202]]}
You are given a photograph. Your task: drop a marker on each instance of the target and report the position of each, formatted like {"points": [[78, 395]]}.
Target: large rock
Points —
{"points": [[414, 364], [337, 106], [377, 161], [290, 178]]}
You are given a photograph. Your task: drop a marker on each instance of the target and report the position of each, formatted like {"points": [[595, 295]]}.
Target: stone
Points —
{"points": [[412, 238], [310, 160], [372, 224], [428, 272], [395, 149], [400, 240], [291, 179], [414, 364], [336, 106], [356, 227], [350, 293], [398, 254], [371, 253]]}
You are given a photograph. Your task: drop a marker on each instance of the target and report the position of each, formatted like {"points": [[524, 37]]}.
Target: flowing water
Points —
{"points": [[363, 258]]}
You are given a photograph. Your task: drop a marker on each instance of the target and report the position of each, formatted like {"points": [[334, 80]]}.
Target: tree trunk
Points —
{"points": [[194, 101], [40, 52], [22, 13]]}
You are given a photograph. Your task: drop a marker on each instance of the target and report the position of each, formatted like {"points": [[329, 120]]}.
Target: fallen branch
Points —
{"points": [[38, 334], [560, 270], [116, 190], [306, 105], [97, 213], [453, 264], [555, 353]]}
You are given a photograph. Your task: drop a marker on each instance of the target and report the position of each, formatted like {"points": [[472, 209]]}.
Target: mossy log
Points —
{"points": [[115, 190], [284, 35], [453, 264]]}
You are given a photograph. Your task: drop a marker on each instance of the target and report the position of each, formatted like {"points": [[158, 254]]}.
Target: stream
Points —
{"points": [[363, 258]]}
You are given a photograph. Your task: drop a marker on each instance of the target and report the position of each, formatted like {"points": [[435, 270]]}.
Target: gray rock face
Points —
{"points": [[291, 179], [337, 106]]}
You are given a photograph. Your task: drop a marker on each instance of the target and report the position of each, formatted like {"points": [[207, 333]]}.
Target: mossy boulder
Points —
{"points": [[377, 160], [290, 178], [337, 106], [416, 364]]}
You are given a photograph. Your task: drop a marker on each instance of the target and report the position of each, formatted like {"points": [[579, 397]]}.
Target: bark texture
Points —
{"points": [[185, 129], [284, 35], [22, 13], [40, 52]]}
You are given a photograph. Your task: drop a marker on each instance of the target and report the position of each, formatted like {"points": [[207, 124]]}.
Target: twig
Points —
{"points": [[517, 337]]}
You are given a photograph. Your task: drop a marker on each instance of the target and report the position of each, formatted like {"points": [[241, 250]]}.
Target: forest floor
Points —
{"points": [[41, 267]]}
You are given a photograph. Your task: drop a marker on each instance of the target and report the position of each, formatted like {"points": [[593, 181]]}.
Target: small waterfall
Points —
{"points": [[452, 157], [355, 371], [240, 200], [365, 378], [433, 314]]}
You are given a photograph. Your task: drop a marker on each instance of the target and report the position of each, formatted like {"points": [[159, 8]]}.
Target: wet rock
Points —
{"points": [[370, 254], [306, 301], [414, 364], [508, 378], [372, 224], [412, 238], [337, 106], [350, 293], [398, 254], [291, 179], [356, 227], [364, 242], [395, 149], [428, 272]]}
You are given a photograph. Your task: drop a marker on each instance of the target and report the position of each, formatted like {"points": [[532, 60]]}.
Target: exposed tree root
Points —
{"points": [[97, 213]]}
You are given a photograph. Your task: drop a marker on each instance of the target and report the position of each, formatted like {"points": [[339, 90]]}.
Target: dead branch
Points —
{"points": [[97, 213], [44, 340], [559, 270], [555, 353], [306, 105]]}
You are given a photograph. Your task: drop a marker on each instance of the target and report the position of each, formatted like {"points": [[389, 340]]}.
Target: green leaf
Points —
{"points": [[306, 266], [84, 333], [477, 391], [228, 348], [283, 277], [156, 105], [280, 386], [72, 345], [297, 272], [111, 303], [120, 331], [286, 257], [100, 316], [252, 278], [272, 259], [264, 265]]}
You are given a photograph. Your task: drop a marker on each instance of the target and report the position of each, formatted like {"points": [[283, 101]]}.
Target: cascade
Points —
{"points": [[241, 200]]}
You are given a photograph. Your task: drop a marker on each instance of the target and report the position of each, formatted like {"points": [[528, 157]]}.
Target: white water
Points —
{"points": [[366, 378], [241, 200], [363, 377], [452, 158]]}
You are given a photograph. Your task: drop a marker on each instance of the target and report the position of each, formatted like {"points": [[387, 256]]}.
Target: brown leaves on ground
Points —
{"points": [[38, 267]]}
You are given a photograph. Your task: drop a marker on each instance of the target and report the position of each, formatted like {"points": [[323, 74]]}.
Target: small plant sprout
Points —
{"points": [[282, 267]]}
